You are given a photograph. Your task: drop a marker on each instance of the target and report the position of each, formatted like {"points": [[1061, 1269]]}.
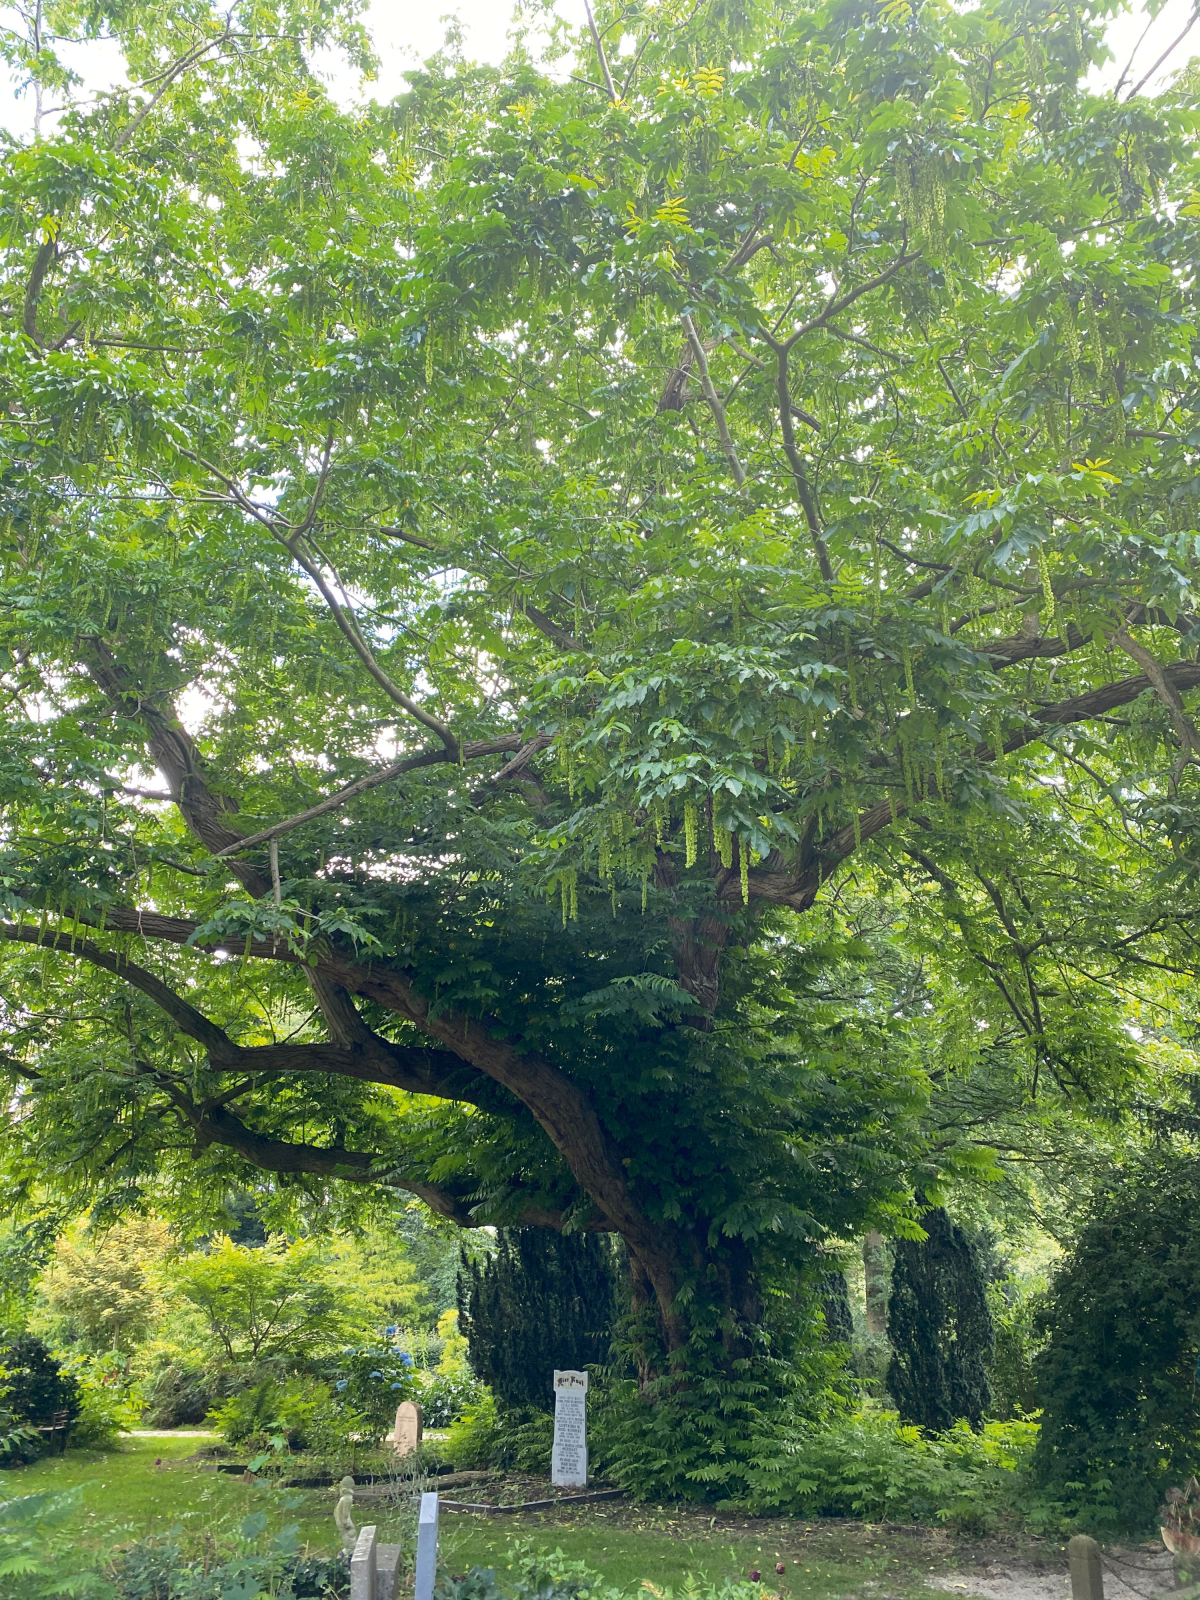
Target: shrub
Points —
{"points": [[447, 1396], [491, 1434], [370, 1381], [452, 1388], [543, 1300], [107, 1407], [36, 1382], [297, 1415], [159, 1569], [1117, 1378], [28, 1549], [940, 1328], [666, 1440], [1018, 1317], [176, 1385], [871, 1465]]}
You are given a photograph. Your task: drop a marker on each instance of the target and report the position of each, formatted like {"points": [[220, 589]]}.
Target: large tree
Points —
{"points": [[484, 574]]}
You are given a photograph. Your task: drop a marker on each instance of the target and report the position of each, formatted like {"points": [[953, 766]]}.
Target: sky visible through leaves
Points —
{"points": [[407, 31]]}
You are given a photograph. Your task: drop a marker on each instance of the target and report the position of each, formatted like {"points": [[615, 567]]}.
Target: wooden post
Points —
{"points": [[1087, 1577], [427, 1538]]}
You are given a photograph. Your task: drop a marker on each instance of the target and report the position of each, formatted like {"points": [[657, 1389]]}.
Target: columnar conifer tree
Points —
{"points": [[940, 1328]]}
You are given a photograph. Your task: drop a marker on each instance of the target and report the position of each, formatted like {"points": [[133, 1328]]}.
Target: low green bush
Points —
{"points": [[490, 1434], [871, 1465], [370, 1381], [295, 1415], [107, 1406], [32, 1562], [247, 1566]]}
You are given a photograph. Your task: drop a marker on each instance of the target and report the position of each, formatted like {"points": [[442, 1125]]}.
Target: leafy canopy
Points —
{"points": [[497, 586]]}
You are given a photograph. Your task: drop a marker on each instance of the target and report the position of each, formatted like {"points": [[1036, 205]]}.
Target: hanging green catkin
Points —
{"points": [[939, 770], [906, 764], [909, 684], [892, 804], [574, 896], [1047, 589], [723, 843], [645, 889], [744, 864], [660, 815], [691, 822], [566, 896]]}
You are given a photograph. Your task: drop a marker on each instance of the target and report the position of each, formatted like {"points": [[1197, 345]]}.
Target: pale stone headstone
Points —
{"points": [[427, 1541], [343, 1515], [387, 1570], [1087, 1576], [406, 1435], [568, 1462], [362, 1566]]}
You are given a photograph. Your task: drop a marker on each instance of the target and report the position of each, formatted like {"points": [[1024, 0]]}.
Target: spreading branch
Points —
{"points": [[714, 402]]}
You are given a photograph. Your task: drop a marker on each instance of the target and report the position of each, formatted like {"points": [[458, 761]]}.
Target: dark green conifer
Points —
{"points": [[835, 1302], [940, 1328], [544, 1300]]}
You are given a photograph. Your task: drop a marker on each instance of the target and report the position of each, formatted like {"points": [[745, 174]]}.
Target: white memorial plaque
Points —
{"points": [[568, 1463]]}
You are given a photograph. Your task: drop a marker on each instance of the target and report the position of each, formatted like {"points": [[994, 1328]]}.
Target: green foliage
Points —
{"points": [[835, 1306], [370, 1381], [25, 1248], [665, 1440], [33, 1562], [276, 1302], [873, 1466], [940, 1328], [544, 1575], [490, 1434], [295, 1415], [1117, 1377], [242, 1568], [107, 1408], [792, 457], [102, 1291], [37, 1383], [1018, 1318], [543, 1300]]}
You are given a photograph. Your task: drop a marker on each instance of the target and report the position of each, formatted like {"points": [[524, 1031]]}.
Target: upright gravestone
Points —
{"points": [[427, 1543], [568, 1463], [406, 1435]]}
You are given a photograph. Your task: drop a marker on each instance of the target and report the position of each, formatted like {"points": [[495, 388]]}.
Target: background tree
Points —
{"points": [[269, 1303], [484, 577], [940, 1328], [105, 1292]]}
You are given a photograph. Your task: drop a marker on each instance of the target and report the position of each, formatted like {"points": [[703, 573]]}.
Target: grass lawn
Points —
{"points": [[127, 1497]]}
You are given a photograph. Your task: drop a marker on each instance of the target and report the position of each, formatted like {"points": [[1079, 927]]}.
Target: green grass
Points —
{"points": [[126, 1497]]}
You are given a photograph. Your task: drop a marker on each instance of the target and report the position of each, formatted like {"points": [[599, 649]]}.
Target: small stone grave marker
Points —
{"points": [[406, 1435], [568, 1461]]}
